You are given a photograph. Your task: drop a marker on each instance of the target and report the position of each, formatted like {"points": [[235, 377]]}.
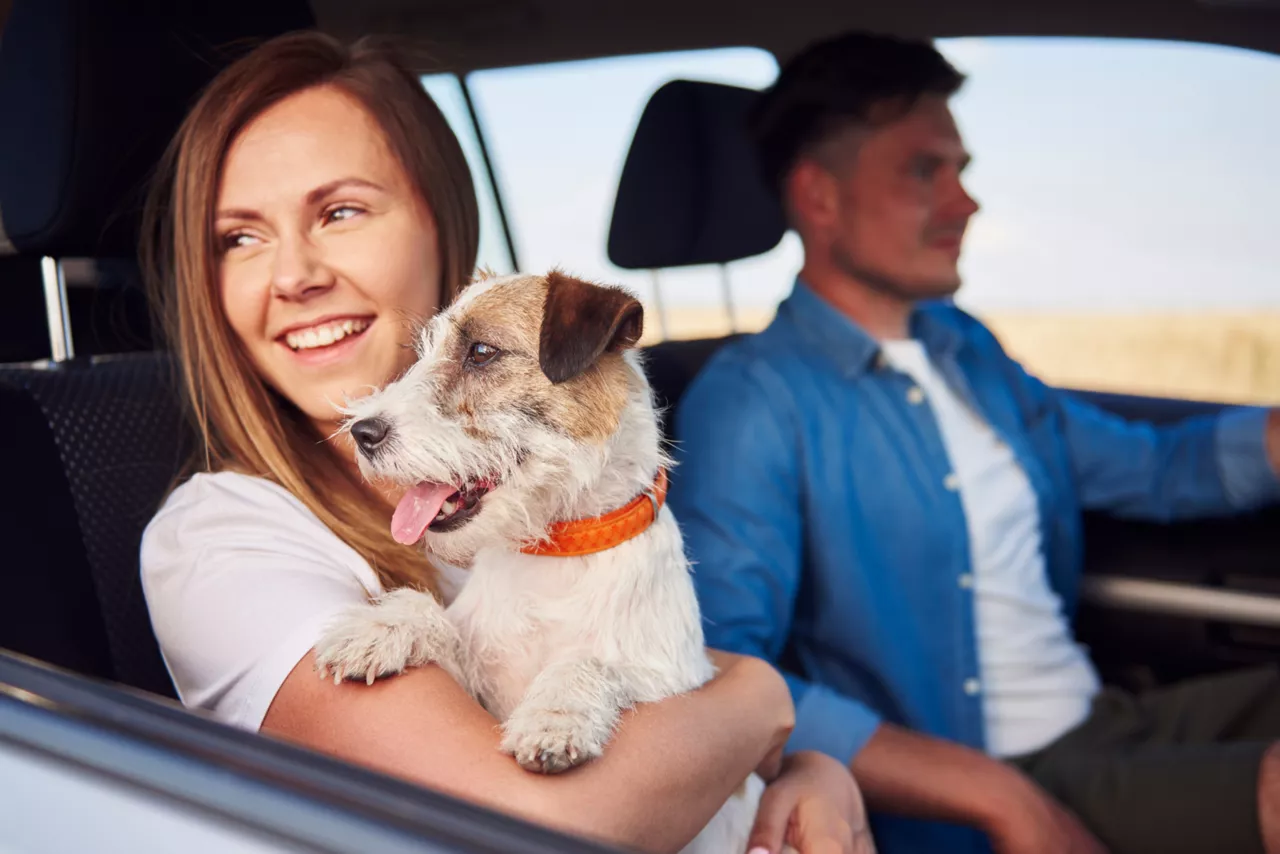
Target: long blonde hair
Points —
{"points": [[244, 425]]}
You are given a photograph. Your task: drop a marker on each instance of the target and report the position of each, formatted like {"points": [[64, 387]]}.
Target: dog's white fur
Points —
{"points": [[554, 647]]}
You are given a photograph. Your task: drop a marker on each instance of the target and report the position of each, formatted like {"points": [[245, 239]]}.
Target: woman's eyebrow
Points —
{"points": [[237, 213], [314, 197], [325, 190]]}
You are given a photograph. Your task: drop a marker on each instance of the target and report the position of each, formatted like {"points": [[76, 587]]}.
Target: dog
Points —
{"points": [[528, 439]]}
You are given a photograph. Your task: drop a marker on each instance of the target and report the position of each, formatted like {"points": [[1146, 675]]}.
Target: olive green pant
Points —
{"points": [[1168, 771]]}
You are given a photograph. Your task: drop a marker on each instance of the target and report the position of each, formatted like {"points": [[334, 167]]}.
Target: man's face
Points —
{"points": [[895, 211]]}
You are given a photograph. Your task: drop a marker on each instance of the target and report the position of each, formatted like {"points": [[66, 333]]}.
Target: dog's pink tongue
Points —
{"points": [[416, 509]]}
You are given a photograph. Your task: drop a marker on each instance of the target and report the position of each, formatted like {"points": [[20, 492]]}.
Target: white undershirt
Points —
{"points": [[1037, 683], [240, 579]]}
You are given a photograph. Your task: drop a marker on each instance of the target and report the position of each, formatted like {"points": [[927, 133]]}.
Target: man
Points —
{"points": [[881, 501]]}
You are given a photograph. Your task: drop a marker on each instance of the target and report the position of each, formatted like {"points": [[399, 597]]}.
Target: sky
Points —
{"points": [[1113, 175]]}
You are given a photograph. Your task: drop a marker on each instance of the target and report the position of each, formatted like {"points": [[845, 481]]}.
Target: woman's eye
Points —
{"points": [[235, 240], [341, 213], [481, 353]]}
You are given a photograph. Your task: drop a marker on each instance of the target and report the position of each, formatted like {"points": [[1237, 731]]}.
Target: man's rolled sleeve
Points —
{"points": [[829, 722], [1240, 442]]}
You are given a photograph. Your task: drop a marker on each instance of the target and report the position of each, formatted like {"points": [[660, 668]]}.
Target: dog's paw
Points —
{"points": [[403, 629], [549, 742]]}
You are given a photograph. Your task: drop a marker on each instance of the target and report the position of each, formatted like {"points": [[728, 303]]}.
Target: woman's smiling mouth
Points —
{"points": [[325, 333], [327, 341]]}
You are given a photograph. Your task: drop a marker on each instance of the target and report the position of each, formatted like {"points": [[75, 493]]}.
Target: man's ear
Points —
{"points": [[812, 194], [582, 321]]}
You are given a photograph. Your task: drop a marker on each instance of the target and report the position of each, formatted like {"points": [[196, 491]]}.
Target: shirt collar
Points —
{"points": [[821, 325]]}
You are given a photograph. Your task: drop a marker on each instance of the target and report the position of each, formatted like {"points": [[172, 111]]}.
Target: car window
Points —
{"points": [[1126, 241], [1125, 238], [446, 90], [559, 134]]}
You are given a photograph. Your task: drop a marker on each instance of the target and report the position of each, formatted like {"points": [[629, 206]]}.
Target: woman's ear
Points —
{"points": [[582, 321]]}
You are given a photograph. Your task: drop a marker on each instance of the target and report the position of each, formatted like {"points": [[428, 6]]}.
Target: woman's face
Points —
{"points": [[328, 255]]}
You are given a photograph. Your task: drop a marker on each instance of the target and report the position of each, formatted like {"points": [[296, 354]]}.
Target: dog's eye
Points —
{"points": [[481, 353]]}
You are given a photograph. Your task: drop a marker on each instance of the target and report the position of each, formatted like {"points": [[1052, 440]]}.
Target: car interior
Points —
{"points": [[92, 90]]}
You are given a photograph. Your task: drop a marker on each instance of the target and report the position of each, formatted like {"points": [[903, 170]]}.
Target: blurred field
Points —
{"points": [[1229, 357]]}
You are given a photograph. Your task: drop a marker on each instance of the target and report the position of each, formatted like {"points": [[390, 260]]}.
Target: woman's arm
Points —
{"points": [[680, 759]]}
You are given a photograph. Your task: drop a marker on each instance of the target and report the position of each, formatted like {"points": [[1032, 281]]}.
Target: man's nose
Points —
{"points": [[370, 433], [963, 204], [297, 270]]}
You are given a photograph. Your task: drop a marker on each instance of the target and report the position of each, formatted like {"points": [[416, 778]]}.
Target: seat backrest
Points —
{"points": [[121, 440], [49, 608], [671, 366], [91, 91]]}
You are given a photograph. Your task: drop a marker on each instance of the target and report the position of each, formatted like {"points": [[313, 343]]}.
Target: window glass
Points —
{"points": [[446, 90], [559, 135], [1126, 240]]}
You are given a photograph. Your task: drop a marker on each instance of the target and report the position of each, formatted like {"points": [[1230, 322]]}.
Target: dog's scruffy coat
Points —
{"points": [[528, 406]]}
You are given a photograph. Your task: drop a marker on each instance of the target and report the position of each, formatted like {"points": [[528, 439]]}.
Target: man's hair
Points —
{"points": [[846, 81]]}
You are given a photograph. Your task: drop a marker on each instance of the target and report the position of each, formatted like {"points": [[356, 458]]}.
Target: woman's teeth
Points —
{"points": [[323, 336]]}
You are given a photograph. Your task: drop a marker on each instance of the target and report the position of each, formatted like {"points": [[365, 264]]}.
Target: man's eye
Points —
{"points": [[481, 353], [925, 170]]}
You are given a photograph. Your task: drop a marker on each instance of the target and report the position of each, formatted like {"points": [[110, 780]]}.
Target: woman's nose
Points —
{"points": [[297, 271]]}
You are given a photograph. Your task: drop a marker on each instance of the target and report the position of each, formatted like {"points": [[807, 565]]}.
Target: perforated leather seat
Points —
{"points": [[120, 442], [91, 91]]}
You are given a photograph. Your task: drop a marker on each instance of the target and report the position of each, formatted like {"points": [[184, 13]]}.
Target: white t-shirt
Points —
{"points": [[240, 579], [1037, 682]]}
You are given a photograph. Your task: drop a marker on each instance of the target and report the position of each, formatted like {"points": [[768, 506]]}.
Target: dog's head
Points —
{"points": [[527, 405]]}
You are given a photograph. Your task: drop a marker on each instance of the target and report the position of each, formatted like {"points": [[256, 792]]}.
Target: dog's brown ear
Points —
{"points": [[582, 321]]}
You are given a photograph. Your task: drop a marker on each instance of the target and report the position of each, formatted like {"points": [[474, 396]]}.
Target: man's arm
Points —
{"points": [[737, 497], [905, 773], [1213, 465]]}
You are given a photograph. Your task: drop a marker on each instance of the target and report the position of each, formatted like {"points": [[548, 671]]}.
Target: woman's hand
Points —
{"points": [[813, 807]]}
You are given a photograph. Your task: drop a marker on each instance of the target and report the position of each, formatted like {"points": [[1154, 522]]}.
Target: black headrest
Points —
{"points": [[691, 191], [90, 93]]}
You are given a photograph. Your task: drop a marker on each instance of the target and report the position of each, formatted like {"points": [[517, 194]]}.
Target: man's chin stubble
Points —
{"points": [[891, 287]]}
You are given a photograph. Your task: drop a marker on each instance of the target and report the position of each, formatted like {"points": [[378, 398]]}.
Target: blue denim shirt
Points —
{"points": [[813, 495]]}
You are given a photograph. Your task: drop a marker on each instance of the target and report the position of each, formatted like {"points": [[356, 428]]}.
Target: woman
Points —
{"points": [[313, 206]]}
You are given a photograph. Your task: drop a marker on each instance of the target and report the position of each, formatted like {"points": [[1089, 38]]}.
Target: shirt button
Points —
{"points": [[966, 581], [951, 482], [972, 687], [915, 395]]}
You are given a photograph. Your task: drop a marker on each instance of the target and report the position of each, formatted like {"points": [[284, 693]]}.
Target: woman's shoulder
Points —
{"points": [[239, 579], [228, 513], [209, 501], [215, 491]]}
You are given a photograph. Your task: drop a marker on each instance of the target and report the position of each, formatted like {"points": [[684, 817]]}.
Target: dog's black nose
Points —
{"points": [[369, 433]]}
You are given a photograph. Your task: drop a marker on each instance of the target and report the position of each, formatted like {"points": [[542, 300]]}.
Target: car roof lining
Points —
{"points": [[468, 35]]}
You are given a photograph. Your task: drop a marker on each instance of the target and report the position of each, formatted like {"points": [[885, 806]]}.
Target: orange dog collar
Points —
{"points": [[579, 537]]}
